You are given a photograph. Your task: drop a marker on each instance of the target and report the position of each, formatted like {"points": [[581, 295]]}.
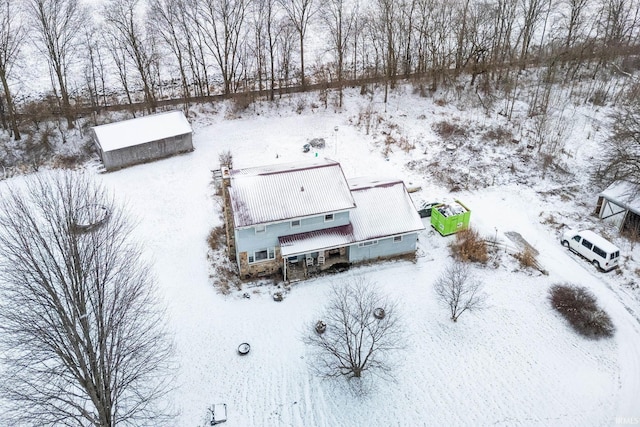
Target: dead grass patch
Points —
{"points": [[217, 238], [448, 130], [469, 246], [527, 258]]}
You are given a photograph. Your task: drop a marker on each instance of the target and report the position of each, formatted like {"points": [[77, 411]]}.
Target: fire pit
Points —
{"points": [[244, 349]]}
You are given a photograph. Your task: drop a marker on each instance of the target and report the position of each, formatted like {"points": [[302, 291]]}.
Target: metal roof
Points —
{"points": [[384, 209], [624, 194], [127, 133], [279, 192], [313, 241]]}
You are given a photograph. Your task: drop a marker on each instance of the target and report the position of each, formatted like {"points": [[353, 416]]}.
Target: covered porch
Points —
{"points": [[306, 254]]}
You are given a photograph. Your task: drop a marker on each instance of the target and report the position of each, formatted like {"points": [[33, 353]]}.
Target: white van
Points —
{"points": [[600, 252]]}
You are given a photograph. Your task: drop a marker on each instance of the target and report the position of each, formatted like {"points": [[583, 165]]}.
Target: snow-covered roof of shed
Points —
{"points": [[384, 209], [625, 194], [292, 190], [127, 133]]}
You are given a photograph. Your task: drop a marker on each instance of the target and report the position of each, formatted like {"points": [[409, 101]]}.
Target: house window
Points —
{"points": [[397, 239], [369, 243], [295, 223], [328, 217], [261, 228], [263, 255]]}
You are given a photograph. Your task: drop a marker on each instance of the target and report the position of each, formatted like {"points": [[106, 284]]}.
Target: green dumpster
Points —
{"points": [[449, 218]]}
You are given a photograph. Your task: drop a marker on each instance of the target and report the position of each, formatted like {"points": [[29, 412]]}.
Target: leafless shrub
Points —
{"points": [[69, 161], [421, 90], [366, 119], [225, 276], [301, 105], [404, 144], [83, 340], [448, 130], [500, 135], [527, 258], [469, 246], [216, 238], [226, 159], [355, 340], [241, 102], [458, 290], [581, 310], [599, 98]]}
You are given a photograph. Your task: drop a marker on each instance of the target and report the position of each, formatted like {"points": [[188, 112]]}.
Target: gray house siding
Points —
{"points": [[249, 241], [153, 150], [384, 248]]}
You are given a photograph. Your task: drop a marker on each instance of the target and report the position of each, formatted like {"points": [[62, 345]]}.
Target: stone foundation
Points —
{"points": [[259, 269]]}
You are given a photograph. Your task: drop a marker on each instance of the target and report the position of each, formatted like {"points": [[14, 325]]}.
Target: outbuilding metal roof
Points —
{"points": [[276, 193], [384, 209], [624, 194], [127, 133]]}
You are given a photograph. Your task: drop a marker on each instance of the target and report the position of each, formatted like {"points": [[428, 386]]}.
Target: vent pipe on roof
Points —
{"points": [[301, 188]]}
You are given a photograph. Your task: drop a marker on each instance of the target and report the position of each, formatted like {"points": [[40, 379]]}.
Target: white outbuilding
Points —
{"points": [[620, 203], [143, 139]]}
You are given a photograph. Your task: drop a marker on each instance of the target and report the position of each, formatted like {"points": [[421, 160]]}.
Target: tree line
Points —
{"points": [[200, 48]]}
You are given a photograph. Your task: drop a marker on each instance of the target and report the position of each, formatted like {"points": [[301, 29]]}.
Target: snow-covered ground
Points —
{"points": [[517, 362]]}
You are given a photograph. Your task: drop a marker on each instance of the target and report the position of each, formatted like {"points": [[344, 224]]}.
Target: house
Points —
{"points": [[303, 218], [620, 203], [143, 139]]}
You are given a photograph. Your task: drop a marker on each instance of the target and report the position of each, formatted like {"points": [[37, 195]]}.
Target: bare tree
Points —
{"points": [[95, 68], [83, 341], [163, 18], [299, 13], [363, 330], [222, 24], [339, 18], [501, 48], [58, 25], [286, 35], [575, 21], [621, 158], [267, 33], [124, 24], [459, 290], [11, 38], [533, 12], [119, 59], [387, 17]]}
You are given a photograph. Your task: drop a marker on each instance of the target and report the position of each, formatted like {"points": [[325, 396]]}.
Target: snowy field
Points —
{"points": [[517, 362]]}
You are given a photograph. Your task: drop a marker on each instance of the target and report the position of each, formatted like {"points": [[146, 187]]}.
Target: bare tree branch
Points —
{"points": [[458, 290], [82, 337], [356, 340]]}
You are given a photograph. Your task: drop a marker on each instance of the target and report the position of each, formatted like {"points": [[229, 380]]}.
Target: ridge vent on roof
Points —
{"points": [[296, 168]]}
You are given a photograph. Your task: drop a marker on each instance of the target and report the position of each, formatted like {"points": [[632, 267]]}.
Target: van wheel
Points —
{"points": [[565, 243], [596, 264]]}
